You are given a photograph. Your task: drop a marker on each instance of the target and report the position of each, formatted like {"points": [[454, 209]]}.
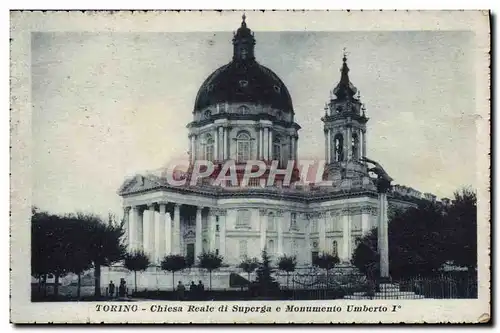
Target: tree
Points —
{"points": [[50, 246], [461, 222], [77, 255], [105, 245], [248, 265], [136, 261], [422, 239], [264, 281], [287, 264], [326, 261], [210, 261], [173, 263]]}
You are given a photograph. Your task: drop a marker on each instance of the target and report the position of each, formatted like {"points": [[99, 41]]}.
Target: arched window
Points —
{"points": [[271, 225], [243, 109], [277, 153], [270, 247], [355, 146], [338, 150], [243, 147], [209, 148], [207, 114], [335, 249]]}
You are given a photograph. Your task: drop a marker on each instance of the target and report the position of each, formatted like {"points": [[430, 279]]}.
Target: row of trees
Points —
{"points": [[423, 239], [73, 244], [138, 261]]}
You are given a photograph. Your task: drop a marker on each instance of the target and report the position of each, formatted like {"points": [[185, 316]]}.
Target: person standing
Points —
{"points": [[180, 290], [193, 291], [121, 288], [111, 288], [201, 289]]}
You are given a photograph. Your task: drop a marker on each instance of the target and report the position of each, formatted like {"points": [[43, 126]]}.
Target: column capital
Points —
{"points": [[279, 212], [151, 206], [323, 214], [345, 211], [262, 211], [335, 213], [126, 209]]}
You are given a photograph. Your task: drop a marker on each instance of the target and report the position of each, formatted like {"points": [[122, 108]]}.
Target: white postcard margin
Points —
{"points": [[410, 311]]}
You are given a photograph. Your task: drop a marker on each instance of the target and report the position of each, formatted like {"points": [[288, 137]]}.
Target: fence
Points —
{"points": [[444, 286]]}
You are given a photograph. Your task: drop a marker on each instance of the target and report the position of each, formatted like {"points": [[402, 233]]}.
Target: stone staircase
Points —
{"points": [[387, 291]]}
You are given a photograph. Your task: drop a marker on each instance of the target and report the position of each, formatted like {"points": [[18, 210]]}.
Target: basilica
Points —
{"points": [[244, 111]]}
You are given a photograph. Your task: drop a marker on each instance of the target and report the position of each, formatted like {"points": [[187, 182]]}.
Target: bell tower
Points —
{"points": [[345, 129]]}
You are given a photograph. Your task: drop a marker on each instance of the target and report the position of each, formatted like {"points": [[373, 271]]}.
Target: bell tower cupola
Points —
{"points": [[344, 123]]}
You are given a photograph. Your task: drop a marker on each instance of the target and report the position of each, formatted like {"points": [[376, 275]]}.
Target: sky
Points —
{"points": [[109, 105]]}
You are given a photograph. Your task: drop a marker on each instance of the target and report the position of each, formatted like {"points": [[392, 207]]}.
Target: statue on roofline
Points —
{"points": [[383, 178]]}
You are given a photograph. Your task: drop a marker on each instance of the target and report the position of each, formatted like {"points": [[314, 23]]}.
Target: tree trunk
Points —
{"points": [[56, 285], [97, 279], [173, 281], [210, 275], [79, 285], [135, 280]]}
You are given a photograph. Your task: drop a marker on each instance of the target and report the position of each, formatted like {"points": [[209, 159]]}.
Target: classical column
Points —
{"points": [[168, 234], [329, 146], [265, 144], [198, 246], [261, 143], [263, 229], [364, 142], [270, 141], [221, 143], [224, 143], [308, 237], [222, 233], [140, 229], [132, 233], [161, 232], [126, 225], [149, 235], [365, 220], [211, 228], [349, 143], [383, 237], [216, 144], [346, 234], [323, 216], [280, 226], [176, 239], [295, 152]]}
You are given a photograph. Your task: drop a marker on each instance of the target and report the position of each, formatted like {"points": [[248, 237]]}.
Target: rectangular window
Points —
{"points": [[243, 220], [293, 222], [243, 248]]}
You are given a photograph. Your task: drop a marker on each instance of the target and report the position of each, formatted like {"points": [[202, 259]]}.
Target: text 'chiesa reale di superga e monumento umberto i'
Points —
{"points": [[242, 112]]}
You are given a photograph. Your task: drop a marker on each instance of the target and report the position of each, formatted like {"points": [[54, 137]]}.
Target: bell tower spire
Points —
{"points": [[243, 43], [345, 126]]}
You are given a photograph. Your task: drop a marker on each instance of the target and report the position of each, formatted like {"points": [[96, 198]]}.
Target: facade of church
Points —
{"points": [[243, 111]]}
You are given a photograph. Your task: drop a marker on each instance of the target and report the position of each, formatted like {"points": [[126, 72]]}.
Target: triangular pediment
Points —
{"points": [[137, 183]]}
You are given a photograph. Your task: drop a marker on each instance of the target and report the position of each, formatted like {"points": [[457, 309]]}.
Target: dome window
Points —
{"points": [[277, 89], [243, 110], [210, 87], [243, 83], [207, 114]]}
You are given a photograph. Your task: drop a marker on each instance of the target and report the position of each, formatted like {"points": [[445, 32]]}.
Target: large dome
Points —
{"points": [[244, 80]]}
